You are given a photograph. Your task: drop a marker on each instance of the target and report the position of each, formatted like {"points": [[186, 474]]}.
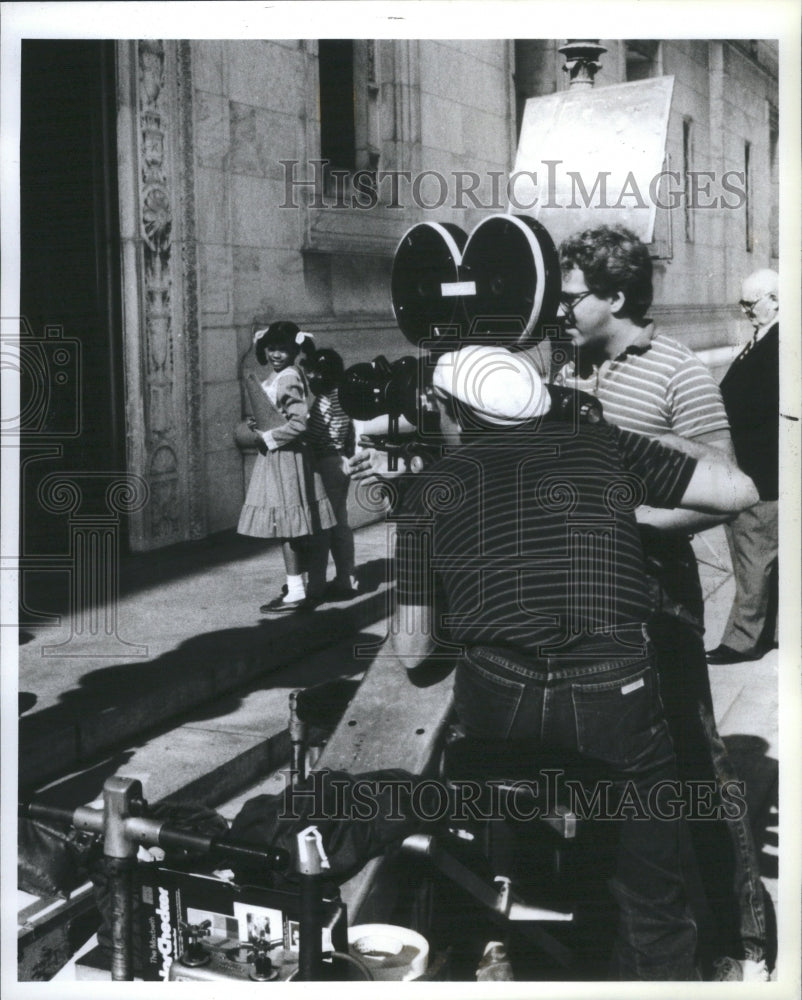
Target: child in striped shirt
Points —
{"points": [[330, 435]]}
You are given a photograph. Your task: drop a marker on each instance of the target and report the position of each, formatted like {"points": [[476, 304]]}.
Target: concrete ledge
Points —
{"points": [[211, 756], [115, 703]]}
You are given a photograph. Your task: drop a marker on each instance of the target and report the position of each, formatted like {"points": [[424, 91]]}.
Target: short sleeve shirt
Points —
{"points": [[663, 389], [532, 544]]}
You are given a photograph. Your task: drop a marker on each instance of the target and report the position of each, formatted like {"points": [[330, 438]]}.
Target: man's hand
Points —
{"points": [[370, 464]]}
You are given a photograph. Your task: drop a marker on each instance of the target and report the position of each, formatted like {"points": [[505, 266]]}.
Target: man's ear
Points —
{"points": [[617, 301]]}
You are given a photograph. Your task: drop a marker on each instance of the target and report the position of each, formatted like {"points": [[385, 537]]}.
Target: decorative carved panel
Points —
{"points": [[159, 264]]}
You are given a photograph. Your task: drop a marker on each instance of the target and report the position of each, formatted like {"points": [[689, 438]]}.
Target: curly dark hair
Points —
{"points": [[327, 362], [612, 259], [282, 334]]}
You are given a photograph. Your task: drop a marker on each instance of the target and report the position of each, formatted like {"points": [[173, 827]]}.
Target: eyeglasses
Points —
{"points": [[748, 306], [571, 299], [568, 300]]}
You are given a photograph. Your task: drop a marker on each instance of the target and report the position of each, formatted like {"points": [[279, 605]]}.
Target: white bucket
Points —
{"points": [[390, 952]]}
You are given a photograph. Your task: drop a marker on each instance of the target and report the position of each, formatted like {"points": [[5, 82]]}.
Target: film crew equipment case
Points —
{"points": [[239, 917]]}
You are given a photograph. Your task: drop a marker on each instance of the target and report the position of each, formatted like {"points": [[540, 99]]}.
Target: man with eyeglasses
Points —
{"points": [[751, 395], [654, 385]]}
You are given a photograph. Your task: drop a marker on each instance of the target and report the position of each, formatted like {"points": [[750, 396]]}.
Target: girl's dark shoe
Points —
{"points": [[278, 606]]}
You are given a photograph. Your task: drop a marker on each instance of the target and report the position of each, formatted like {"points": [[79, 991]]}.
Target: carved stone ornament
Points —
{"points": [[157, 220], [159, 250], [151, 62]]}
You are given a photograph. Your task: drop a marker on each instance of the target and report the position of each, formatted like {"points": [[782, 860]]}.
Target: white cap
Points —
{"points": [[501, 388]]}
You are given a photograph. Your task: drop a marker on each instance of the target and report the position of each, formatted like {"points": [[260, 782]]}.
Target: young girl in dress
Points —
{"points": [[286, 498]]}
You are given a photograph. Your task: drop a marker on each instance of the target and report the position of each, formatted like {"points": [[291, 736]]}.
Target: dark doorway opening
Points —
{"points": [[71, 341]]}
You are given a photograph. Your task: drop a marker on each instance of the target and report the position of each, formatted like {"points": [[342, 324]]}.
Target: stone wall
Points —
{"points": [[438, 106], [250, 248], [724, 95]]}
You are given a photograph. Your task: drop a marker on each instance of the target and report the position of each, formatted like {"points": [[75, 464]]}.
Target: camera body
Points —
{"points": [[498, 287]]}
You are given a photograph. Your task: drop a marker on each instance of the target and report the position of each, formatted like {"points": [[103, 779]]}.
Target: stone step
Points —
{"points": [[215, 756], [205, 639], [211, 754]]}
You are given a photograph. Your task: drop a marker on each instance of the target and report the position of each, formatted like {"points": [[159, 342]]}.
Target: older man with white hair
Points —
{"points": [[519, 548], [750, 391]]}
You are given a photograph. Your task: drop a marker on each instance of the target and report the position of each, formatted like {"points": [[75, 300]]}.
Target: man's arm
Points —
{"points": [[711, 447], [719, 486], [716, 444]]}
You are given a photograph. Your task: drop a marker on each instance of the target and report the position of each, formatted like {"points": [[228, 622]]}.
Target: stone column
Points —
{"points": [[160, 291]]}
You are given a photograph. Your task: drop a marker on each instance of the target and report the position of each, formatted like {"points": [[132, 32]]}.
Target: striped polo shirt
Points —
{"points": [[530, 539], [329, 428], [658, 387]]}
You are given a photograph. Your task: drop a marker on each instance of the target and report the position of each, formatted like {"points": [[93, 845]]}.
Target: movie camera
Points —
{"points": [[499, 287]]}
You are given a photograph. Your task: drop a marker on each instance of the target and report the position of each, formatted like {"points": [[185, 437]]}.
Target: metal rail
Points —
{"points": [[124, 828]]}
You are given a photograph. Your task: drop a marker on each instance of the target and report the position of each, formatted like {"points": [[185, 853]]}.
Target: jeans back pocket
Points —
{"points": [[620, 720], [485, 701]]}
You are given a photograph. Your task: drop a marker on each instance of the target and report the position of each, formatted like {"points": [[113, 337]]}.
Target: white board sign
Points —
{"points": [[593, 156]]}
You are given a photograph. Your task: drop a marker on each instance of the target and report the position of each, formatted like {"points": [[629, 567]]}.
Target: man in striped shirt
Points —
{"points": [[518, 552], [653, 385]]}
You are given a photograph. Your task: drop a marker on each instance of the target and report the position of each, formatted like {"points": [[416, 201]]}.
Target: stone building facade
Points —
{"points": [[227, 217]]}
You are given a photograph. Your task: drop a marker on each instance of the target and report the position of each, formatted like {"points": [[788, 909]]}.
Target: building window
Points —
{"points": [[350, 112], [687, 167], [337, 111], [349, 107], [748, 196], [643, 59]]}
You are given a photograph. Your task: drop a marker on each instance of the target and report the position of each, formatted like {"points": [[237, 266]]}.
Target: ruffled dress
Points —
{"points": [[286, 497]]}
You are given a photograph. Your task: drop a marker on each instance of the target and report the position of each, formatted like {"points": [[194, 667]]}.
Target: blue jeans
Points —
{"points": [[728, 863], [609, 711]]}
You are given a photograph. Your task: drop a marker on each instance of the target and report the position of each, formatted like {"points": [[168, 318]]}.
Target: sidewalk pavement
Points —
{"points": [[186, 630], [746, 703], [196, 703]]}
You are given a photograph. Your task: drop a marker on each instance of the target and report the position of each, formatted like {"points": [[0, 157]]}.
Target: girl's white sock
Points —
{"points": [[295, 588]]}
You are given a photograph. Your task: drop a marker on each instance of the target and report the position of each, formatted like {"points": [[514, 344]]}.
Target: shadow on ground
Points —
{"points": [[117, 702], [44, 593]]}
